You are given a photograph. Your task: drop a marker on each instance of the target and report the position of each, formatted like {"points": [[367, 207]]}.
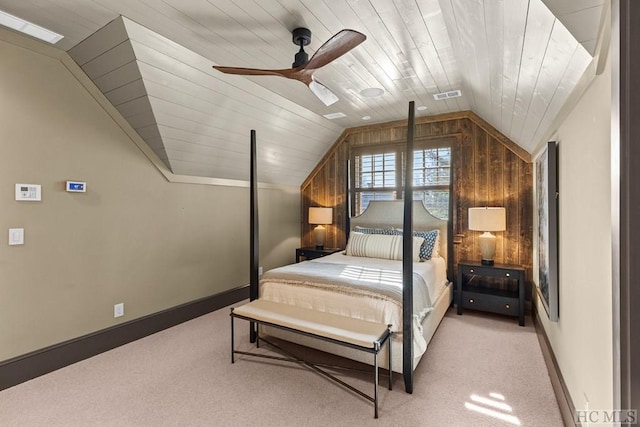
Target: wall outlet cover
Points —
{"points": [[118, 310]]}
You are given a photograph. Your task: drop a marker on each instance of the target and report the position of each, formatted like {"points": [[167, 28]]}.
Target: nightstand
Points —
{"points": [[311, 252], [484, 297]]}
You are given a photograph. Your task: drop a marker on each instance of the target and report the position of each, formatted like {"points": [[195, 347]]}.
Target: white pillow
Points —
{"points": [[380, 246]]}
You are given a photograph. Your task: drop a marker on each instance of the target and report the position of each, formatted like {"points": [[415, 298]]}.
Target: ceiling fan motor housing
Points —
{"points": [[301, 37]]}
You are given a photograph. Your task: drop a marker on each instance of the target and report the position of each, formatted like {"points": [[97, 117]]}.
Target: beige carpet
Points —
{"points": [[479, 370]]}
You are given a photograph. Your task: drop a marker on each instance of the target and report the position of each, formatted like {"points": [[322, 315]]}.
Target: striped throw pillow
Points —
{"points": [[380, 246]]}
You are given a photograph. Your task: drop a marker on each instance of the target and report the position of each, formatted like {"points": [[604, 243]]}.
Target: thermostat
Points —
{"points": [[28, 192], [76, 186]]}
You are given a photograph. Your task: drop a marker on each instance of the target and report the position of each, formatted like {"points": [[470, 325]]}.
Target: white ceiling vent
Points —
{"points": [[332, 116], [447, 95]]}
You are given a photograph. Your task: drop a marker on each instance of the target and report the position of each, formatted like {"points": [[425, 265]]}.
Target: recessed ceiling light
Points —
{"points": [[332, 116], [366, 117], [371, 92], [29, 28], [422, 108]]}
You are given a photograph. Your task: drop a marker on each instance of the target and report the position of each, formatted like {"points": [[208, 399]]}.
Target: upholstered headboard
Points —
{"points": [[390, 213]]}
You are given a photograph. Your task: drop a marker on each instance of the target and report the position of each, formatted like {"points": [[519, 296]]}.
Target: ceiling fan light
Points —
{"points": [[323, 93]]}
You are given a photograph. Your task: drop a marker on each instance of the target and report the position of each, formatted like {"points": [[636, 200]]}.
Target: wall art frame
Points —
{"points": [[548, 194]]}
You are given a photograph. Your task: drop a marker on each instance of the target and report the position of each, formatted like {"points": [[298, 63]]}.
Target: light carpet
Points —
{"points": [[479, 370]]}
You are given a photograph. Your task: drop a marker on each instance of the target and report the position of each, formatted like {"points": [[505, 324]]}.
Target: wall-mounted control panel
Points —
{"points": [[28, 192], [76, 187]]}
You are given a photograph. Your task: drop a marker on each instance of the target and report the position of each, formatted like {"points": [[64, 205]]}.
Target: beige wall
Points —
{"points": [[582, 338], [133, 237]]}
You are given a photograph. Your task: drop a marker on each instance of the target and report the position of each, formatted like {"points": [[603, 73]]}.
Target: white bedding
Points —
{"points": [[370, 270]]}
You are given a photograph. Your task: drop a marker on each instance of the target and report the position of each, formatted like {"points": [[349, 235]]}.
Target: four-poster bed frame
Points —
{"points": [[407, 263]]}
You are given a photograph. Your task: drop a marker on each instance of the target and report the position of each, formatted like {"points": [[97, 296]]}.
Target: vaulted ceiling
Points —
{"points": [[517, 63]]}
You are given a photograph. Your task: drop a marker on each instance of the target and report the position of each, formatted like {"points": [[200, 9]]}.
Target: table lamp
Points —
{"points": [[487, 219], [320, 216]]}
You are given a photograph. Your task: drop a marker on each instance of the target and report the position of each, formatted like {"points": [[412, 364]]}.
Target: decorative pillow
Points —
{"points": [[430, 246], [370, 230], [436, 247], [380, 246]]}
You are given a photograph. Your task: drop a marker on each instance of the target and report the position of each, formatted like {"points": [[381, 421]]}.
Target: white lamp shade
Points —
{"points": [[487, 219], [320, 215]]}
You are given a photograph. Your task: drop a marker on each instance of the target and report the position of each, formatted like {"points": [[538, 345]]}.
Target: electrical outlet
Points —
{"points": [[260, 271], [118, 310]]}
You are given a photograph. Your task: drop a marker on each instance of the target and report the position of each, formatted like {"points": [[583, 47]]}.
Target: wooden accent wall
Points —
{"points": [[488, 170]]}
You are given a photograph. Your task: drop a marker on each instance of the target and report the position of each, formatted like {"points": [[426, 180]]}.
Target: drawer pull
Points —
{"points": [[508, 275], [471, 301], [507, 306]]}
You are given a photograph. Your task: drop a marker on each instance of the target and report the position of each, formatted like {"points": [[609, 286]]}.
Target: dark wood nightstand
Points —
{"points": [[479, 296], [311, 252]]}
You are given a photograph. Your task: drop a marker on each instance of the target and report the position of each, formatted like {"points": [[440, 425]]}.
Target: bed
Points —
{"points": [[370, 288], [415, 324]]}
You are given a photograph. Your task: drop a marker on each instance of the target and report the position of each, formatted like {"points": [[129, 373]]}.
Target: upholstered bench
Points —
{"points": [[363, 335]]}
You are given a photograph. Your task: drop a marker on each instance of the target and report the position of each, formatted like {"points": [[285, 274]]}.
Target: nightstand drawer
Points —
{"points": [[311, 252], [488, 271], [491, 303]]}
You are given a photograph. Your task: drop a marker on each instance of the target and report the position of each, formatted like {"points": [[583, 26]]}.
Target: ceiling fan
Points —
{"points": [[302, 69]]}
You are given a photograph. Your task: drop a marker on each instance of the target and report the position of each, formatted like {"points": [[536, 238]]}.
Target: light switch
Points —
{"points": [[16, 236]]}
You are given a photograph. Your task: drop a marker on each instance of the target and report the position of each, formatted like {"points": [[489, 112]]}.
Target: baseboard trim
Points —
{"points": [[567, 408], [31, 365]]}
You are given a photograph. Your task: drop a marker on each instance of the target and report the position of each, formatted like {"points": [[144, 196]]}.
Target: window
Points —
{"points": [[431, 179], [375, 178], [377, 175]]}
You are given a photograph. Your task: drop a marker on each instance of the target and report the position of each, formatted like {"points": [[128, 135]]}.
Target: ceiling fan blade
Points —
{"points": [[334, 48], [323, 93], [252, 71]]}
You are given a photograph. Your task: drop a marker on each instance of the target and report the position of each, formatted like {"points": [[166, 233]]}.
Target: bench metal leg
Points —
{"points": [[232, 343], [375, 385], [390, 371]]}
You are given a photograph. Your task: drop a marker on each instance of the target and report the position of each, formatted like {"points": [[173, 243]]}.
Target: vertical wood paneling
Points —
{"points": [[495, 188], [511, 197], [485, 172], [464, 192], [525, 204]]}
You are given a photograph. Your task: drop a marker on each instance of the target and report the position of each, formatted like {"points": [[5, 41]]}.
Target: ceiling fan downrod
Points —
{"points": [[301, 37]]}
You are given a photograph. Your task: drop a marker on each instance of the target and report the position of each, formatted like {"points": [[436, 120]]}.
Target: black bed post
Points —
{"points": [[253, 259], [347, 222], [407, 259]]}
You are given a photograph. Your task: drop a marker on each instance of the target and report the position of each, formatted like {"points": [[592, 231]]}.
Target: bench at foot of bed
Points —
{"points": [[359, 334]]}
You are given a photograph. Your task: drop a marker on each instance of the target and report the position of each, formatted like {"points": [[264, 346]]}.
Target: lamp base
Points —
{"points": [[487, 262], [319, 235]]}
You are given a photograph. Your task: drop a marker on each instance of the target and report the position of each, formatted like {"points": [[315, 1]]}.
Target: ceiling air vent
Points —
{"points": [[447, 95]]}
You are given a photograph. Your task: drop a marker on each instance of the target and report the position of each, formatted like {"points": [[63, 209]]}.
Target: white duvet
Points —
{"points": [[371, 270]]}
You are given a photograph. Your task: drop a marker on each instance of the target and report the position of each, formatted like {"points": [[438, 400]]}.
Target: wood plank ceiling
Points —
{"points": [[515, 62]]}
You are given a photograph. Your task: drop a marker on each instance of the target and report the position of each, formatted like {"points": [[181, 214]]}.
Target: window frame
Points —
{"points": [[399, 148]]}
